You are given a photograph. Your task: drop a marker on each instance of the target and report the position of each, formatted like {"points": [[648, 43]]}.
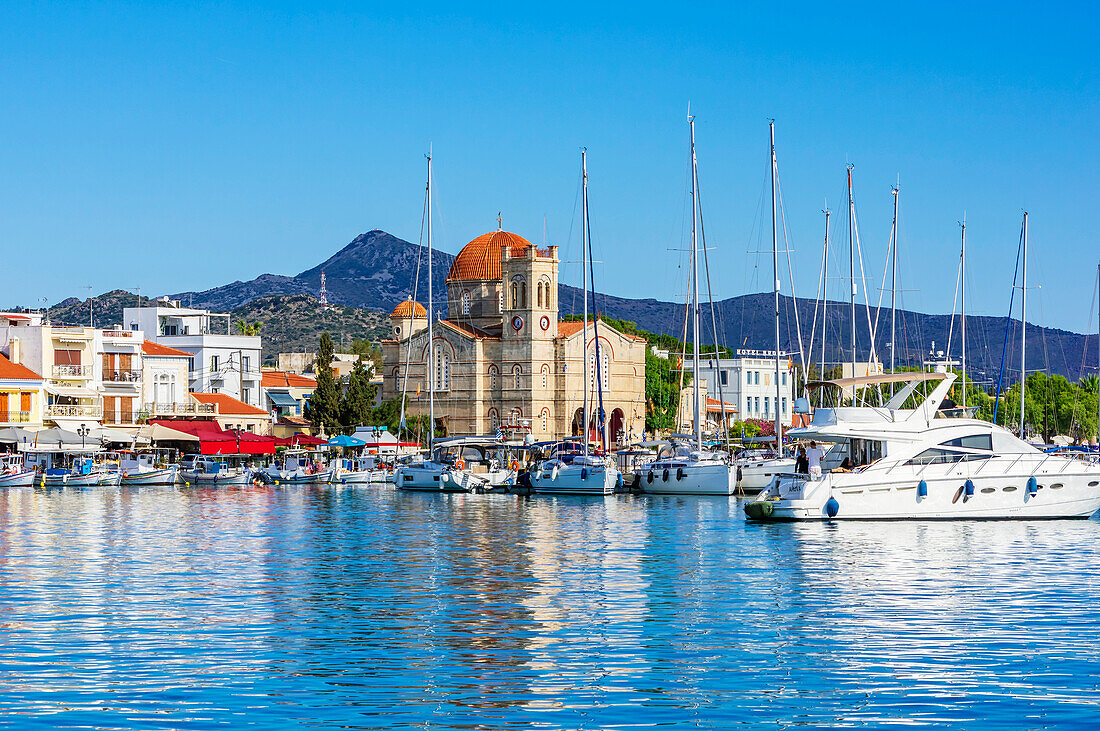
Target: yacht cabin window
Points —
{"points": [[972, 441]]}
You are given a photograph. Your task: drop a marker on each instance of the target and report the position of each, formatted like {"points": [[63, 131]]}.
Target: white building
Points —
{"points": [[748, 382], [221, 362]]}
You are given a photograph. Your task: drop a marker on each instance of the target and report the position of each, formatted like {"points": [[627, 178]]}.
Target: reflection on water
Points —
{"points": [[366, 608]]}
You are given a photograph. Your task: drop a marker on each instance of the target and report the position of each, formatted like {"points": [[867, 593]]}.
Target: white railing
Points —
{"points": [[72, 371], [15, 417], [93, 411], [188, 409], [70, 330], [117, 334]]}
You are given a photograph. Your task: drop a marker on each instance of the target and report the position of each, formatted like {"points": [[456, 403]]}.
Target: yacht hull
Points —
{"points": [[755, 476], [688, 479], [575, 480], [1055, 494]]}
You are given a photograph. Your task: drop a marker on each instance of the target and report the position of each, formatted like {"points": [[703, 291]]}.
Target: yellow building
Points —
{"points": [[20, 395]]}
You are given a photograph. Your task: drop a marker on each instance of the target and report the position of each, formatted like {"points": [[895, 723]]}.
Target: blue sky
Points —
{"points": [[179, 147]]}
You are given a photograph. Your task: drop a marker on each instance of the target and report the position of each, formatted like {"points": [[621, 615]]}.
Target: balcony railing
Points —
{"points": [[187, 409], [70, 330], [117, 334], [122, 376], [72, 371], [15, 417], [86, 411]]}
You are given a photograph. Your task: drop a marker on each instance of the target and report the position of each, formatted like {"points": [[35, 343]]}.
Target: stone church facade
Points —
{"points": [[502, 357]]}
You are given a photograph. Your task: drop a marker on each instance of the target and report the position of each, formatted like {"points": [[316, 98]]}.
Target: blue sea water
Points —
{"points": [[318, 607]]}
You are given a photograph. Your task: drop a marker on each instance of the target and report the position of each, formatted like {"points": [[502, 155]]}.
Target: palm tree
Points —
{"points": [[245, 329]]}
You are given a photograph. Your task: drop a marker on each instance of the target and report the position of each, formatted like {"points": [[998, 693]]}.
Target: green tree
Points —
{"points": [[357, 403], [324, 405]]}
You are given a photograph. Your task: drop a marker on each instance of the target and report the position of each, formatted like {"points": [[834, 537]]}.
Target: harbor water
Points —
{"points": [[361, 607]]}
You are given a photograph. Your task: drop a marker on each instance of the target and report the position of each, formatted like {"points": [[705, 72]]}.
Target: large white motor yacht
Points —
{"points": [[916, 464], [461, 464]]}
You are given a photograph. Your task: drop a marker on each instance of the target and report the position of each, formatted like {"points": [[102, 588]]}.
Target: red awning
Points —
{"points": [[299, 440], [215, 440]]}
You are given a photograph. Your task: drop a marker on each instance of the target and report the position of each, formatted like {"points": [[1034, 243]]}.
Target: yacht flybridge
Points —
{"points": [[915, 463]]}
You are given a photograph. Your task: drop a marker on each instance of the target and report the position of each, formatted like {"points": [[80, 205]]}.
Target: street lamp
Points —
{"points": [[83, 431]]}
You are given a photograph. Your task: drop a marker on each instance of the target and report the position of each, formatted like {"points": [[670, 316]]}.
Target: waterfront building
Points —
{"points": [[231, 413], [303, 363], [221, 362], [503, 357], [286, 395], [748, 382], [20, 395], [66, 359], [712, 413], [165, 377], [119, 375]]}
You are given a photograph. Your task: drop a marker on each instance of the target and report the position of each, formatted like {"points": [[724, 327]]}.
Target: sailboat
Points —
{"points": [[584, 473], [755, 474], [427, 474], [682, 466], [917, 463]]}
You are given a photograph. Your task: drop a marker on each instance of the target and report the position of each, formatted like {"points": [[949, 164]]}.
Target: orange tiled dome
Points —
{"points": [[480, 259], [408, 308]]}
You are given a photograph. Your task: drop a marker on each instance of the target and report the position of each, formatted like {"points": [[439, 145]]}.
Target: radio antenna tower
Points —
{"points": [[323, 299]]}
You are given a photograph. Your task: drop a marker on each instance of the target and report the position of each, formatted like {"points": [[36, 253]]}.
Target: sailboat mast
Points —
{"points": [[962, 280], [824, 291], [584, 268], [852, 264], [775, 283], [1023, 332], [695, 294], [431, 319], [894, 281], [1098, 352]]}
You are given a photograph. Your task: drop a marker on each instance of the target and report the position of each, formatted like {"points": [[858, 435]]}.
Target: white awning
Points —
{"points": [[70, 391]]}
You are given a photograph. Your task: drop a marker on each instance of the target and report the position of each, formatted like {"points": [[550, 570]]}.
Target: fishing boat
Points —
{"points": [[363, 470], [297, 467], [206, 471], [84, 471], [13, 473], [918, 464], [150, 467]]}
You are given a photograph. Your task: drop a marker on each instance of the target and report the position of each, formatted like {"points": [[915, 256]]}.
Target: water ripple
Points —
{"points": [[364, 608]]}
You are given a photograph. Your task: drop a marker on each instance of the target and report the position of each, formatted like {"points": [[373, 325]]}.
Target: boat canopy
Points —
{"points": [[874, 380]]}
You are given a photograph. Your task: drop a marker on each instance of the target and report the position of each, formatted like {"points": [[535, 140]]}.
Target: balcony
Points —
{"points": [[70, 330], [72, 371], [122, 376], [112, 334], [74, 411], [15, 417], [186, 409]]}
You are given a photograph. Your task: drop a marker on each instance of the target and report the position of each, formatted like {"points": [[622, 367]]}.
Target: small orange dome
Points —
{"points": [[480, 259], [408, 309]]}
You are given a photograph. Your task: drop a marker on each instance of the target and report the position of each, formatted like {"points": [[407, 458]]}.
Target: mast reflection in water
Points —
{"points": [[366, 608]]}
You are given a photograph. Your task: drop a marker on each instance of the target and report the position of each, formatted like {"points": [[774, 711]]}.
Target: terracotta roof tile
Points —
{"points": [[283, 379], [480, 259], [150, 348], [16, 371], [228, 405], [408, 308]]}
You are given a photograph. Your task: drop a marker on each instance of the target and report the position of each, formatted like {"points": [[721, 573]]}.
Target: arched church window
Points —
{"points": [[515, 295], [538, 293], [515, 376], [493, 378], [523, 294], [465, 303]]}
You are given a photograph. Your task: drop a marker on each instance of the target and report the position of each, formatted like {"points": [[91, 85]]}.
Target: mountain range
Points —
{"points": [[375, 271]]}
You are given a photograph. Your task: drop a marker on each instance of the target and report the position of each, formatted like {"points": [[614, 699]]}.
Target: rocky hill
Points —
{"points": [[291, 323], [375, 271]]}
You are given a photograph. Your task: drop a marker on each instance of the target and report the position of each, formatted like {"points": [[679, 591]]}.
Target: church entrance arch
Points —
{"points": [[615, 426]]}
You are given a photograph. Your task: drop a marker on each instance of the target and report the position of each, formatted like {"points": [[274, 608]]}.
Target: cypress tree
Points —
{"points": [[324, 406], [356, 407]]}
